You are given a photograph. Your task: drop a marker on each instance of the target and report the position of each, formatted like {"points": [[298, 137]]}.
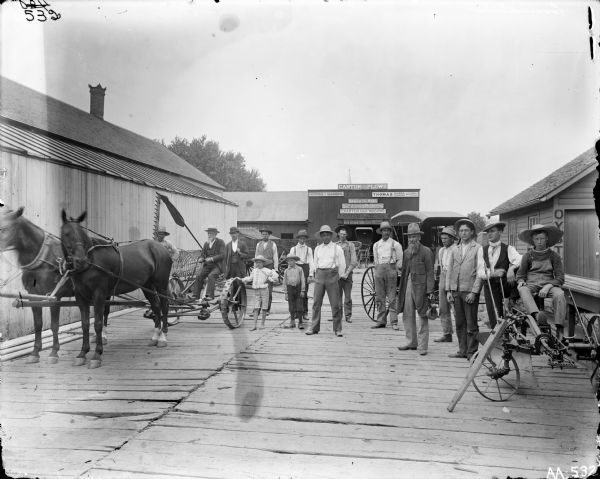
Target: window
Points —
{"points": [[532, 220], [287, 236], [512, 233]]}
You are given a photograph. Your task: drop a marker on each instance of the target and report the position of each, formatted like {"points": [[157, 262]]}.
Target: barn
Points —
{"points": [[564, 198], [54, 156]]}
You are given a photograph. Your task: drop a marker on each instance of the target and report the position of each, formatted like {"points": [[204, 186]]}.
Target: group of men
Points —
{"points": [[405, 280]]}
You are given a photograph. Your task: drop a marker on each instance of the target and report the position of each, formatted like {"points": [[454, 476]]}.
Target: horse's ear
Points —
{"points": [[63, 215], [19, 212], [82, 217]]}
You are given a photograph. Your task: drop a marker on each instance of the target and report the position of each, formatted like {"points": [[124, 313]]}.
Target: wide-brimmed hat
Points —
{"points": [[260, 257], [212, 228], [162, 231], [233, 229], [264, 228], [498, 224], [325, 229], [449, 230], [341, 227], [293, 256], [414, 229], [465, 221], [302, 233], [554, 234], [384, 225]]}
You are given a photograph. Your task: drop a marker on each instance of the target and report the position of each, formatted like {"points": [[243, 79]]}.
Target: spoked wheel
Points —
{"points": [[233, 303], [367, 291], [497, 379]]}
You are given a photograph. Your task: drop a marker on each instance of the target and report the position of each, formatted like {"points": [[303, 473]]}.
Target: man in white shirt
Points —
{"points": [[268, 249], [330, 264], [306, 262], [448, 236], [497, 262], [387, 257]]}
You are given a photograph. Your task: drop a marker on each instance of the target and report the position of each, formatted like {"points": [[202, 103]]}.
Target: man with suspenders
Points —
{"points": [[306, 262], [268, 249]]}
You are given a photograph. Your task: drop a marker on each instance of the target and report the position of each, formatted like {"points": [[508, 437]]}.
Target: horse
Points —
{"points": [[38, 254], [104, 269]]}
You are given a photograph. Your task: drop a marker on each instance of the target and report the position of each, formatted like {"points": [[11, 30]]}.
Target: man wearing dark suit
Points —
{"points": [[213, 254], [415, 289], [236, 253]]}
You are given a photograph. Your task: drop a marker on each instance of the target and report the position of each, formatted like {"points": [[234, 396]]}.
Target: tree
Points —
{"points": [[478, 220], [226, 168]]}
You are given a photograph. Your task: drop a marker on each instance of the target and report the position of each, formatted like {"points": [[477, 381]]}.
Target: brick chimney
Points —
{"points": [[97, 100]]}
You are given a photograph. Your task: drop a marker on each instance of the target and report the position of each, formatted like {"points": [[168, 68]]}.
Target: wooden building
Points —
{"points": [[55, 156], [564, 199]]}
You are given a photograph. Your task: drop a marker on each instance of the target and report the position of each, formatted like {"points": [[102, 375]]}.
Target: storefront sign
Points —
{"points": [[362, 200], [365, 211], [363, 205], [363, 186], [357, 221], [325, 193], [395, 194], [559, 221]]}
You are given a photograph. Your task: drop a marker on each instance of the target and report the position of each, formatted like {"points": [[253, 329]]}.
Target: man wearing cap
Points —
{"points": [[330, 264], [541, 273], [236, 253], [496, 266], [447, 236], [346, 278], [213, 254], [416, 288], [463, 287], [161, 235], [268, 249], [306, 263], [387, 257]]}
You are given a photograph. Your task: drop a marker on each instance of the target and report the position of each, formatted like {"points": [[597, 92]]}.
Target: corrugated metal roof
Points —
{"points": [[35, 144], [550, 185], [270, 206], [32, 108]]}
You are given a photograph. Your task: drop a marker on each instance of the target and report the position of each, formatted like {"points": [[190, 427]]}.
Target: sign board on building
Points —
{"points": [[365, 211], [395, 194], [363, 186], [362, 200], [362, 205], [357, 221], [325, 193]]}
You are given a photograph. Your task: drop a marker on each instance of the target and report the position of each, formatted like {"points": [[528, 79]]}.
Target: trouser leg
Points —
{"points": [[380, 292], [270, 288], [559, 304], [346, 295], [211, 280], [292, 293], [472, 325], [306, 270], [496, 294], [461, 322], [333, 294], [408, 317], [318, 294], [445, 314], [391, 287], [526, 292]]}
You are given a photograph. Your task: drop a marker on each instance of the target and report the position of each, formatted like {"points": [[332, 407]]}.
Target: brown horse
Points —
{"points": [[38, 253], [101, 270]]}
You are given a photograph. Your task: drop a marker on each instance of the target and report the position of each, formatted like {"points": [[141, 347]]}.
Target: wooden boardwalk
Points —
{"points": [[277, 403]]}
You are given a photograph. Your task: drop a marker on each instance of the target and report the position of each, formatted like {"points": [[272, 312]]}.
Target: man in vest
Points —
{"points": [[268, 249], [346, 278], [306, 263], [447, 237], [387, 256], [497, 262], [416, 288], [236, 254], [212, 257]]}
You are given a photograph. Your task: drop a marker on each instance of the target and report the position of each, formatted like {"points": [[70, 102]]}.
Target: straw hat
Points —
{"points": [[302, 233], [162, 231], [264, 228], [449, 230], [293, 256], [498, 224], [554, 234], [325, 229], [465, 221], [260, 257], [384, 225], [414, 229]]}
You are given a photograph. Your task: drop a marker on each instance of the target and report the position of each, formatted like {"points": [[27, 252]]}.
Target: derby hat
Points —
{"points": [[325, 229], [293, 256], [302, 233], [233, 230], [162, 231], [384, 225], [260, 257], [414, 229], [465, 221], [212, 228], [264, 228], [498, 224], [449, 230], [554, 234]]}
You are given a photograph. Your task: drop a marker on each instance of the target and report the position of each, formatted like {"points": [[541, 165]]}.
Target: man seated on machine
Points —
{"points": [[542, 274]]}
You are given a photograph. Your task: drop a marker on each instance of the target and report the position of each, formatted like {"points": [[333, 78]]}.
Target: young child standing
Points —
{"points": [[260, 277], [294, 286]]}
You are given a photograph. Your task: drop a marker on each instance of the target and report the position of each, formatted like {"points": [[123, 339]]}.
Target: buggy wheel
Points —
{"points": [[233, 303], [367, 292], [498, 378]]}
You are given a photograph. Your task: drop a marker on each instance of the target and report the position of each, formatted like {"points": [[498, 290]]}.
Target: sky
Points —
{"points": [[471, 102]]}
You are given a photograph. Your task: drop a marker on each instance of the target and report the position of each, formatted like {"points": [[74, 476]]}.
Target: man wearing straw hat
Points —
{"points": [[447, 236], [346, 278], [330, 264], [463, 287], [541, 273], [416, 288], [212, 257], [236, 253], [496, 265], [267, 248], [161, 235], [306, 263], [387, 256]]}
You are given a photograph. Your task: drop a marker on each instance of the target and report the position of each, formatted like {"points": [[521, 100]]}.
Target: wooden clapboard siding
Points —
{"points": [[579, 193], [117, 208]]}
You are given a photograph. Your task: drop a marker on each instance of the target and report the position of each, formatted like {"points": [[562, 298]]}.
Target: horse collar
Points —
{"points": [[41, 256]]}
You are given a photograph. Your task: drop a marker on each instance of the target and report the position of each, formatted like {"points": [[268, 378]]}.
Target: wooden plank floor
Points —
{"points": [[278, 403]]}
